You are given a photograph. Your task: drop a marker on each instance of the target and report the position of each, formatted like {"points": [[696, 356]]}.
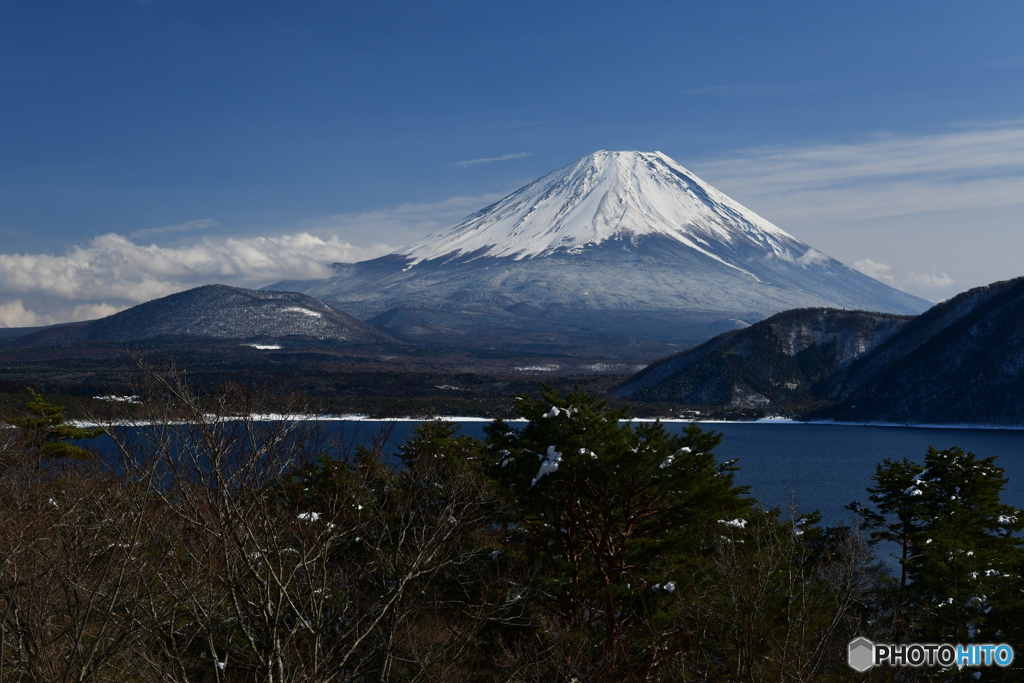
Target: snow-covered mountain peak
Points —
{"points": [[610, 195], [629, 245]]}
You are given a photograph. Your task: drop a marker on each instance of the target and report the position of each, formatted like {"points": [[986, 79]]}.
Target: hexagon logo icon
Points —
{"points": [[861, 655]]}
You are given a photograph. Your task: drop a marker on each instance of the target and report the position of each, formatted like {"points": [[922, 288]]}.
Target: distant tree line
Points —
{"points": [[573, 547]]}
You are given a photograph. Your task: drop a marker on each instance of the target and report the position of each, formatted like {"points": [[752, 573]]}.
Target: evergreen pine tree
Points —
{"points": [[45, 431], [965, 580], [960, 547], [900, 508], [610, 512]]}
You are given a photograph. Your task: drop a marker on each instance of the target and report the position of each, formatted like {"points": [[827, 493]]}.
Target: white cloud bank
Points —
{"points": [[112, 272]]}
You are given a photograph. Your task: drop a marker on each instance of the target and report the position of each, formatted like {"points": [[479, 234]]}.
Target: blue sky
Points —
{"points": [[146, 147]]}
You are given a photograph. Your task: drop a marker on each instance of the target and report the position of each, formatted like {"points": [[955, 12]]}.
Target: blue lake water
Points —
{"points": [[816, 466], [828, 466], [810, 466]]}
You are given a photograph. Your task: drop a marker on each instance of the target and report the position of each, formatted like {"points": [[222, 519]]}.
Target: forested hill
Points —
{"points": [[793, 356], [215, 312], [960, 362]]}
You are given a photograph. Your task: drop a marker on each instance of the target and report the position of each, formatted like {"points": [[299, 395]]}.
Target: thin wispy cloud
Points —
{"points": [[935, 280], [505, 157], [939, 213], [883, 176], [1011, 62], [749, 89], [186, 227], [402, 224]]}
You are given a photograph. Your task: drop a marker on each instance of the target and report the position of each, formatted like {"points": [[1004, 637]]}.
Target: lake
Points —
{"points": [[814, 466], [817, 466]]}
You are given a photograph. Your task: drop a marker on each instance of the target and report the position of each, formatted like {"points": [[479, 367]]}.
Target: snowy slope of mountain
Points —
{"points": [[605, 196], [611, 232]]}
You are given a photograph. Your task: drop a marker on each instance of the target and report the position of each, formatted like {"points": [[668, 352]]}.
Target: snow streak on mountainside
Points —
{"points": [[611, 195]]}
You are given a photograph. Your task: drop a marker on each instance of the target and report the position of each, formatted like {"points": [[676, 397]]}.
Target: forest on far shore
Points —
{"points": [[574, 547]]}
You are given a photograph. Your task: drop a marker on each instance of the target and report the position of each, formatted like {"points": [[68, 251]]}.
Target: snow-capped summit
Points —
{"points": [[610, 195], [622, 245]]}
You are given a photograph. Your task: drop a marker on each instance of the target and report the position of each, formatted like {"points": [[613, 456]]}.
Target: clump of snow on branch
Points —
{"points": [[548, 464], [671, 458], [737, 523]]}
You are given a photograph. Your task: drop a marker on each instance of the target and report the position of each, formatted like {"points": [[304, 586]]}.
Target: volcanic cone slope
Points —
{"points": [[613, 232]]}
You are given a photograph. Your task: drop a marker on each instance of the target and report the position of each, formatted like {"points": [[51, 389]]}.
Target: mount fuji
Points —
{"points": [[625, 248]]}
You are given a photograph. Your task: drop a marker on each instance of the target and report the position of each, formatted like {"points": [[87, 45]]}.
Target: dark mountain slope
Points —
{"points": [[960, 362], [214, 312], [791, 357]]}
